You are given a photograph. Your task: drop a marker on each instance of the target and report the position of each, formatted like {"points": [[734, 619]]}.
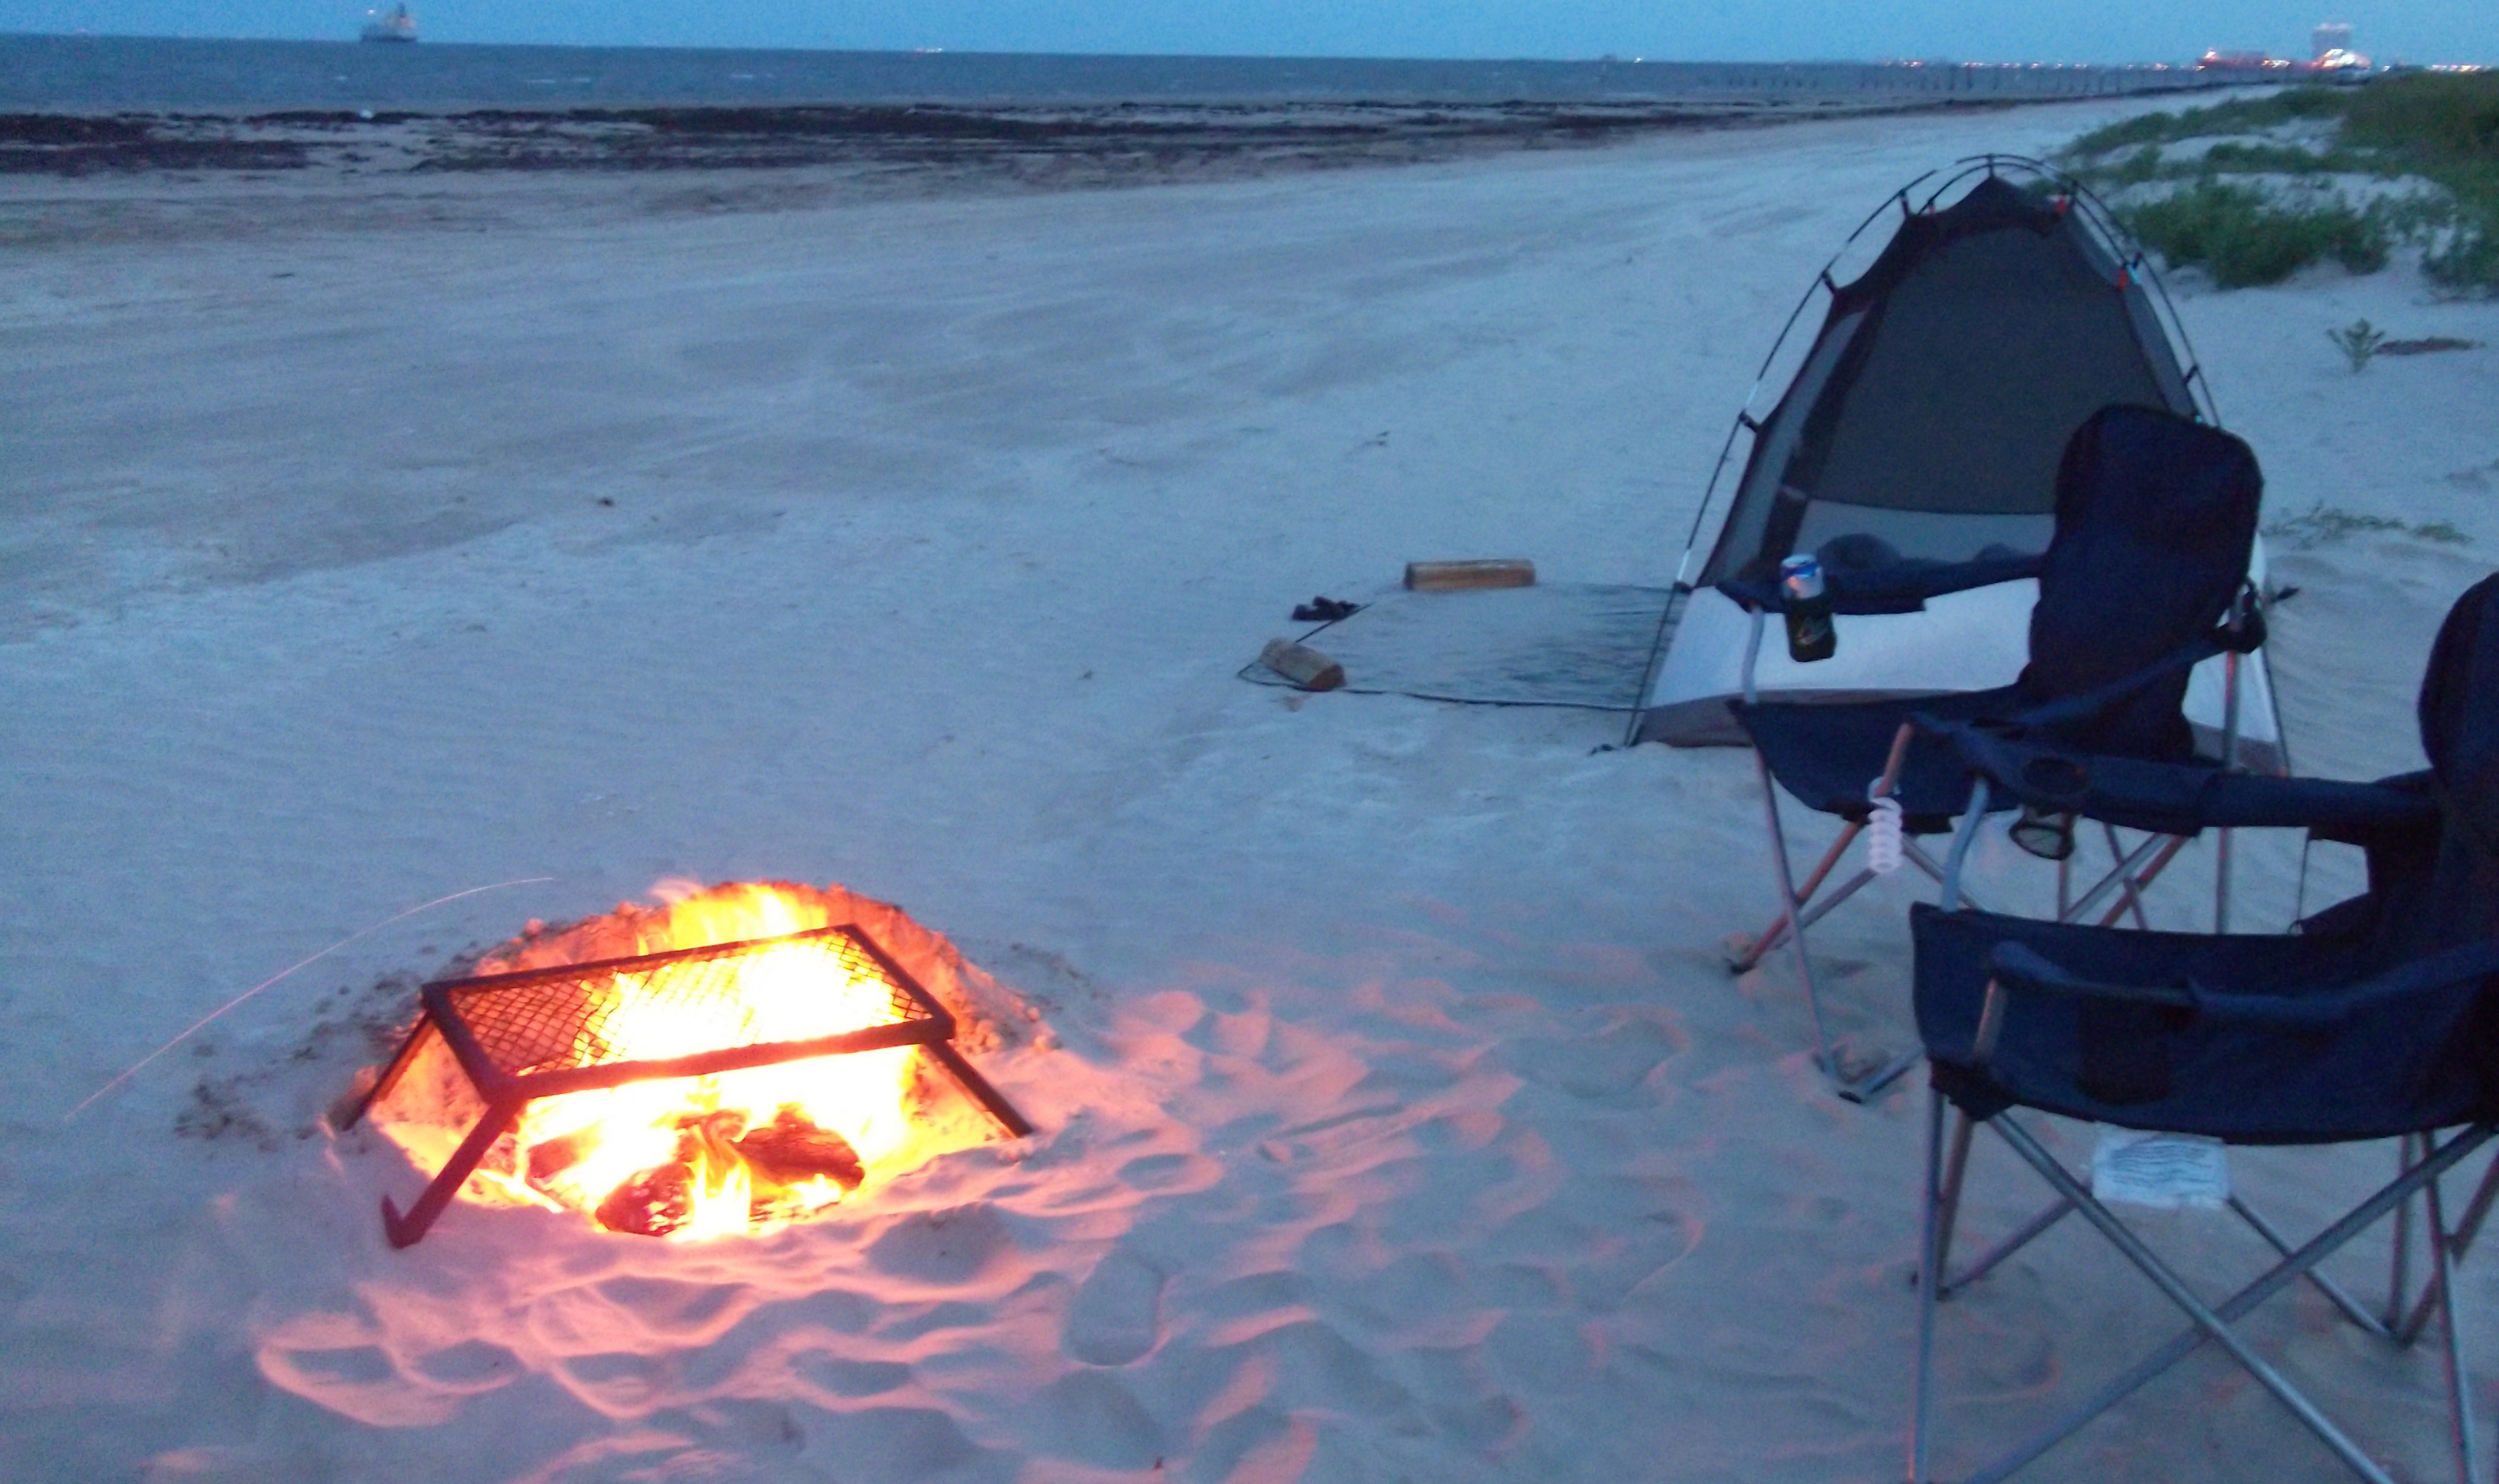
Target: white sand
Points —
{"points": [[1403, 1125]]}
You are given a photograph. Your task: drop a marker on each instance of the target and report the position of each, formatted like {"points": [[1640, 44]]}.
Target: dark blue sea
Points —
{"points": [[105, 74]]}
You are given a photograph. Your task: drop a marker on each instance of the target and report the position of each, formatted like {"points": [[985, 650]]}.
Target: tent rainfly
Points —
{"points": [[1926, 422]]}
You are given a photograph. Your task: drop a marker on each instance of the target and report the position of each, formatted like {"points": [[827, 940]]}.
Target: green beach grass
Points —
{"points": [[2228, 210]]}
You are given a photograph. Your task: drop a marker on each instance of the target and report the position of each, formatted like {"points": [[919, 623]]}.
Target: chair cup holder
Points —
{"points": [[2044, 833]]}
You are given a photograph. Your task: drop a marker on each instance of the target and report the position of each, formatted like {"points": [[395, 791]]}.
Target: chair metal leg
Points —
{"points": [[1777, 932], [1796, 918], [1866, 1089], [2126, 884], [2459, 1239], [2160, 860], [1773, 935], [1965, 834], [2023, 1236], [1931, 1262], [1956, 1171], [2154, 856], [2400, 1277], [1917, 856], [2459, 1390], [2237, 1307], [2333, 1291], [2209, 1323], [1794, 915]]}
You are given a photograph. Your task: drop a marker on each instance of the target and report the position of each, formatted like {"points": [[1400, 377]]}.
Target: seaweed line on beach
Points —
{"points": [[785, 137], [67, 179]]}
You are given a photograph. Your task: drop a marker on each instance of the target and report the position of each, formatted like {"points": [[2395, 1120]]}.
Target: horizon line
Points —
{"points": [[1602, 59]]}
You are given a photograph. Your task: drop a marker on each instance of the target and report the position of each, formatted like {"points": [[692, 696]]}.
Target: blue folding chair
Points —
{"points": [[2145, 577], [2378, 1019]]}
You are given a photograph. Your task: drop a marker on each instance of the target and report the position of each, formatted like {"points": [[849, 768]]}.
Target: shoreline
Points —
{"points": [[67, 179], [749, 136]]}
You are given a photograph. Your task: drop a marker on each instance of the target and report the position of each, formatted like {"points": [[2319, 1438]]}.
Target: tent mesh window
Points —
{"points": [[1928, 419]]}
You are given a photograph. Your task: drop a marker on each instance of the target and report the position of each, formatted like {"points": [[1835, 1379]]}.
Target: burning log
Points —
{"points": [[549, 1160], [792, 1150], [714, 1151], [652, 1204]]}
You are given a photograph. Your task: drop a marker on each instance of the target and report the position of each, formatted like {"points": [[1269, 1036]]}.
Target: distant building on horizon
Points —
{"points": [[2330, 36]]}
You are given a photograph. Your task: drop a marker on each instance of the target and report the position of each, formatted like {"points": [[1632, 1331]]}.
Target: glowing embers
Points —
{"points": [[693, 1092]]}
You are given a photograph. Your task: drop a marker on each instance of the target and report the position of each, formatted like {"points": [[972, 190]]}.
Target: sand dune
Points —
{"points": [[1397, 1118]]}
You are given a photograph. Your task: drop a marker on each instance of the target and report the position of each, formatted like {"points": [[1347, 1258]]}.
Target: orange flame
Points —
{"points": [[703, 1156]]}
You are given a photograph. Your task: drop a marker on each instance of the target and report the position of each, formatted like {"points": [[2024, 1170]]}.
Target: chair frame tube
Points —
{"points": [[2209, 1322], [2466, 1229]]}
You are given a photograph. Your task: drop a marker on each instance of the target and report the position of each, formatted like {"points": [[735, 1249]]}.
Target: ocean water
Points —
{"points": [[46, 74]]}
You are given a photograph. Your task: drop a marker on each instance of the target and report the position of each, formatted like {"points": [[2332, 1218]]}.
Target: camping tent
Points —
{"points": [[1926, 422]]}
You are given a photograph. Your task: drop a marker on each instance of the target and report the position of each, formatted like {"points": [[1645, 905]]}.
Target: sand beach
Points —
{"points": [[376, 537]]}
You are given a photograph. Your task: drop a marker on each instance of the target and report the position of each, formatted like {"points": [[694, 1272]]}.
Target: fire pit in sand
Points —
{"points": [[743, 1063]]}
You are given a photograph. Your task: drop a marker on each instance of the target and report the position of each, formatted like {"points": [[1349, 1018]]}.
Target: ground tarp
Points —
{"points": [[1555, 644]]}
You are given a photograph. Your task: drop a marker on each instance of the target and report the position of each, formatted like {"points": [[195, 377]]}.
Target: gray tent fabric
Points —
{"points": [[1555, 644], [1928, 419], [1925, 422]]}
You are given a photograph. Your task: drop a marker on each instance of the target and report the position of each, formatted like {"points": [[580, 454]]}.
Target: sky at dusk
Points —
{"points": [[1683, 30]]}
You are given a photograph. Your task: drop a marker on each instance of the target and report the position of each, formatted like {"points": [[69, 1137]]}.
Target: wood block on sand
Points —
{"points": [[1454, 576], [1302, 664]]}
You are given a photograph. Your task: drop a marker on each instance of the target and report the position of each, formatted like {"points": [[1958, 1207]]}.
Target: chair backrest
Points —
{"points": [[2459, 727], [2156, 522]]}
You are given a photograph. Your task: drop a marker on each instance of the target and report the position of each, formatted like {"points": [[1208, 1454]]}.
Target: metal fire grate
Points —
{"points": [[543, 1032], [546, 1020]]}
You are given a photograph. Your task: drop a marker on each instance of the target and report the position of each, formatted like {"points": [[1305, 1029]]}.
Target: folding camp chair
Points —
{"points": [[2379, 1019], [2146, 575]]}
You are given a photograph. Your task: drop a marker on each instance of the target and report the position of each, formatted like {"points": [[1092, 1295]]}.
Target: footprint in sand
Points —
{"points": [[943, 1246], [1117, 1315], [1090, 1417]]}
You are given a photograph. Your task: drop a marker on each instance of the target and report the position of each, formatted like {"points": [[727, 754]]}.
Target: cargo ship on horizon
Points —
{"points": [[396, 26]]}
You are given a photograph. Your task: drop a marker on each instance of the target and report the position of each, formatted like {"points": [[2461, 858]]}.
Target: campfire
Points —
{"points": [[741, 1058]]}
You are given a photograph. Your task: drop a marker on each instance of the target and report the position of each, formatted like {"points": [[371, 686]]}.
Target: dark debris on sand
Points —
{"points": [[63, 145], [1038, 143]]}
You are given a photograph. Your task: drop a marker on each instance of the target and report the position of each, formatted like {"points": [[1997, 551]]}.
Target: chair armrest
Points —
{"points": [[2329, 808], [2013, 968], [1902, 587], [2016, 967], [2179, 799]]}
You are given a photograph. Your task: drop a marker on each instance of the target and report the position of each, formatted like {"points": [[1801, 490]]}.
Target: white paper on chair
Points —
{"points": [[2167, 1172]]}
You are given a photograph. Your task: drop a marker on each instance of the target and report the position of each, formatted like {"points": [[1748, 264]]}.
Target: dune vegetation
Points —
{"points": [[2254, 190]]}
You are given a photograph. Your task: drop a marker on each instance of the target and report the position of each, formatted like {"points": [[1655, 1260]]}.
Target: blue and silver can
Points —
{"points": [[1807, 605]]}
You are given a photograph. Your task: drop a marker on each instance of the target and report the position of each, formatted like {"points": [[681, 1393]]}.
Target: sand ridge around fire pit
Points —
{"points": [[1397, 1119]]}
